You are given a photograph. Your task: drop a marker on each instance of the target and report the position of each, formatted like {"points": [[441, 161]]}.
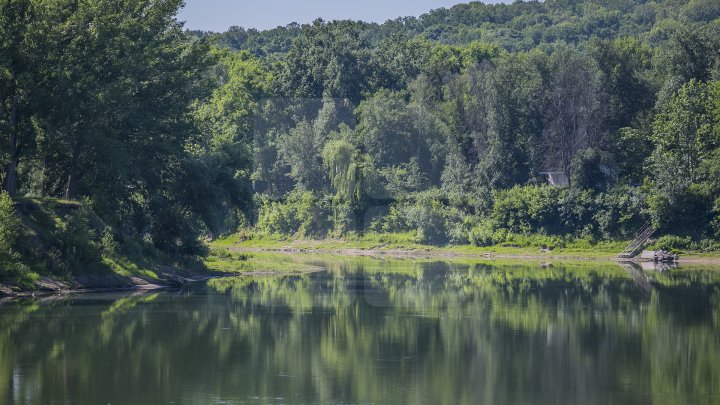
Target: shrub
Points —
{"points": [[394, 221], [301, 213], [429, 220], [482, 235], [429, 216], [527, 209], [673, 243], [107, 242], [686, 211], [706, 245], [78, 249], [622, 212], [10, 259], [577, 208]]}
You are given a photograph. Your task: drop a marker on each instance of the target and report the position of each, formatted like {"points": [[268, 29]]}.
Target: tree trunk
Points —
{"points": [[71, 190]]}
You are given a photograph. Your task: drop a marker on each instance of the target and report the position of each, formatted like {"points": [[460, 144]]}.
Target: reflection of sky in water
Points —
{"points": [[377, 331]]}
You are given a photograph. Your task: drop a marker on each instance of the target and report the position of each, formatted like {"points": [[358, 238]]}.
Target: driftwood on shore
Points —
{"points": [[659, 256]]}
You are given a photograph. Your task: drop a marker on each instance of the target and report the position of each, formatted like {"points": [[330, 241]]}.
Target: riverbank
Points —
{"points": [[375, 246], [218, 264], [162, 278], [262, 257]]}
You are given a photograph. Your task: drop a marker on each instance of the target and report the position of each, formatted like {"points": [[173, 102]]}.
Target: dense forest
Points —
{"points": [[443, 127]]}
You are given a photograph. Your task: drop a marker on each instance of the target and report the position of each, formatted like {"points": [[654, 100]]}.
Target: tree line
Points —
{"points": [[440, 126], [450, 139]]}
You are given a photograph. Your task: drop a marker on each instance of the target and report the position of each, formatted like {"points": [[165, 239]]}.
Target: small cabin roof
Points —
{"points": [[553, 171]]}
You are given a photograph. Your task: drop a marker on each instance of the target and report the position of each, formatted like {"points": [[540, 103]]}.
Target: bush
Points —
{"points": [[622, 212], [428, 220], [577, 209], [673, 243], [556, 211], [302, 214], [529, 209], [393, 222], [174, 233], [429, 216], [107, 242], [78, 249], [482, 235], [687, 211], [706, 245], [10, 259]]}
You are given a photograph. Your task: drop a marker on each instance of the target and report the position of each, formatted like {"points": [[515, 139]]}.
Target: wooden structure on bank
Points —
{"points": [[642, 237]]}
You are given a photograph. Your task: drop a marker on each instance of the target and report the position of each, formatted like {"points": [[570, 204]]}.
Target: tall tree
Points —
{"points": [[329, 60], [218, 166], [625, 68], [24, 27], [685, 133], [574, 117]]}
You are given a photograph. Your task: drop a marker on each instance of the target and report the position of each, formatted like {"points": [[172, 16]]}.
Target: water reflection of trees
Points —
{"points": [[378, 331]]}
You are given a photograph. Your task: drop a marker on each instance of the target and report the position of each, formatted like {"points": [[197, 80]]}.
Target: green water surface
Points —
{"points": [[368, 331]]}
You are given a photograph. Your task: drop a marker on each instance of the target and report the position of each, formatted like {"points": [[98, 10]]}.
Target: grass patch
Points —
{"points": [[127, 268], [225, 261], [514, 245]]}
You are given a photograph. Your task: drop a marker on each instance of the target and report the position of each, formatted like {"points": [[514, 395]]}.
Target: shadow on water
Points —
{"points": [[377, 331]]}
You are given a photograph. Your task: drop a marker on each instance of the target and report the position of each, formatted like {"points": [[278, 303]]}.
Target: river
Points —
{"points": [[370, 331]]}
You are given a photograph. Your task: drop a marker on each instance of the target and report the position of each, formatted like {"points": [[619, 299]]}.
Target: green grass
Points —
{"points": [[517, 245], [127, 268], [514, 245], [222, 260]]}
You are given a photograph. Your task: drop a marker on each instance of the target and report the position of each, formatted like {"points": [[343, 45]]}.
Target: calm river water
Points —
{"points": [[378, 332]]}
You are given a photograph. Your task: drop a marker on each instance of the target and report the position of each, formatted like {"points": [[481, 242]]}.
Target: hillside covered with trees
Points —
{"points": [[441, 127]]}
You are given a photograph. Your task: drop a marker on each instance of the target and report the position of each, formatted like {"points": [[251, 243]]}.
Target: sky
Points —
{"points": [[219, 15]]}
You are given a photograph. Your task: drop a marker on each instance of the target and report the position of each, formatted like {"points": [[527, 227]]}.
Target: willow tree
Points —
{"points": [[352, 177]]}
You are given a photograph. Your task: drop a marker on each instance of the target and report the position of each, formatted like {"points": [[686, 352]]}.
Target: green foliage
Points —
{"points": [[387, 128], [429, 219], [10, 260], [684, 212], [485, 234], [330, 60], [301, 214], [429, 216], [673, 243], [479, 113], [529, 209], [108, 244], [78, 249], [593, 170], [437, 126], [685, 133], [623, 210], [216, 169], [633, 146], [104, 109]]}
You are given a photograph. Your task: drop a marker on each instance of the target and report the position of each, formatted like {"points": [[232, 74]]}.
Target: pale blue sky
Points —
{"points": [[218, 15]]}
